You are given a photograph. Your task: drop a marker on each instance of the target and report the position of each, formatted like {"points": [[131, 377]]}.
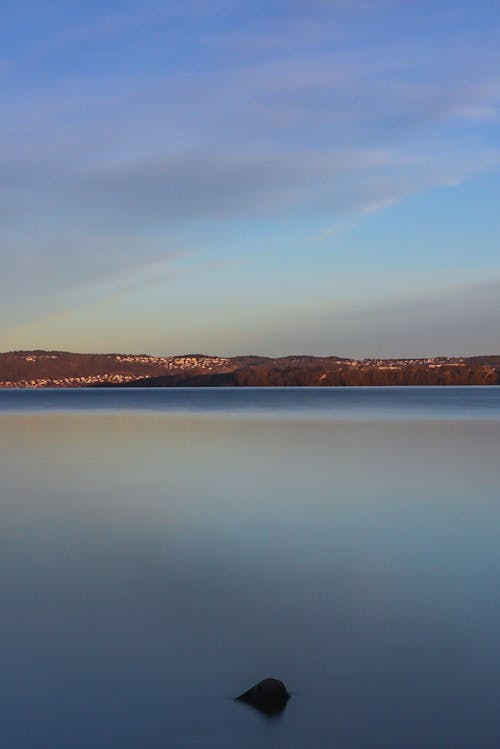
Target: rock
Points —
{"points": [[269, 696]]}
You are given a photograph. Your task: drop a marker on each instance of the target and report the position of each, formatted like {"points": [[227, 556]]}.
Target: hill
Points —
{"points": [[65, 369]]}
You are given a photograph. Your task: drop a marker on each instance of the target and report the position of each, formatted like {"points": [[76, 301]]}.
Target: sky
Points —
{"points": [[233, 176]]}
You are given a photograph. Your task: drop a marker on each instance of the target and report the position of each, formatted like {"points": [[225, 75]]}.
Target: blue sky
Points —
{"points": [[238, 176]]}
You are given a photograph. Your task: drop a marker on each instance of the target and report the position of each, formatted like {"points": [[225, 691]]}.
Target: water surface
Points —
{"points": [[163, 550], [328, 402]]}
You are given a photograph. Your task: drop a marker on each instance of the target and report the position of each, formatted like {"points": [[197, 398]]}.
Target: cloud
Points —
{"points": [[451, 318], [125, 134], [82, 302], [460, 320]]}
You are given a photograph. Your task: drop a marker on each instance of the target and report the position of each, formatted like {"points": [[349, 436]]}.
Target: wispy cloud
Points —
{"points": [[452, 317], [108, 292], [125, 132]]}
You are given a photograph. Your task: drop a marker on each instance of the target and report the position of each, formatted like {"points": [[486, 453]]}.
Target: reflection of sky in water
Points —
{"points": [[352, 403], [156, 565]]}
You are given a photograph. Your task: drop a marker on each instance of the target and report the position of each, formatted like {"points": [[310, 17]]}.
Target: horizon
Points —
{"points": [[247, 354], [232, 177]]}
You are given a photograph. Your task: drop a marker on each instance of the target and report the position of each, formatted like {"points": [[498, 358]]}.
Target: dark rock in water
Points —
{"points": [[269, 695]]}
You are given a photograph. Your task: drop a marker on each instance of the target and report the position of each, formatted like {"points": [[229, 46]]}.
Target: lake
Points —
{"points": [[163, 550]]}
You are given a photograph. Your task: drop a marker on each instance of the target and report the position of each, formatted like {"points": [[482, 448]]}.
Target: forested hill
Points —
{"points": [[317, 373], [65, 369]]}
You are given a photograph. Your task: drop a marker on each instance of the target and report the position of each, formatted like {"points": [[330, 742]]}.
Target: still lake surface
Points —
{"points": [[162, 550]]}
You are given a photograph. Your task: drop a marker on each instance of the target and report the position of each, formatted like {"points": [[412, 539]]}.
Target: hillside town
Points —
{"points": [[68, 382], [113, 369], [393, 364], [45, 369]]}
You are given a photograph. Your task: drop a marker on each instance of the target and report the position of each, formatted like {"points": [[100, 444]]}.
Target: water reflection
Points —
{"points": [[154, 563], [353, 403]]}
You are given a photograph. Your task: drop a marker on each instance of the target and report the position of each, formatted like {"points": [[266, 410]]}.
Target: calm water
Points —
{"points": [[160, 551]]}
